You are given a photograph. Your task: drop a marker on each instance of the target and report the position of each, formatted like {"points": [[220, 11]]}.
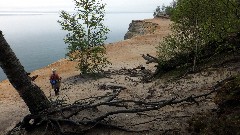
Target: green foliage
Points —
{"points": [[197, 23], [157, 11], [164, 10], [169, 10], [215, 18], [86, 36]]}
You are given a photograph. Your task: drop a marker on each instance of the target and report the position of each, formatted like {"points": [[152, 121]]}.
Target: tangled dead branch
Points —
{"points": [[63, 119], [140, 72], [149, 58]]}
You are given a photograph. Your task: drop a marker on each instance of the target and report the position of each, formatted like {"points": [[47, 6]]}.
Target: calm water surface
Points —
{"points": [[37, 39]]}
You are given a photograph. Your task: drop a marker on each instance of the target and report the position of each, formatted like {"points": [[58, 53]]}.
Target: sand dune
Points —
{"points": [[122, 54]]}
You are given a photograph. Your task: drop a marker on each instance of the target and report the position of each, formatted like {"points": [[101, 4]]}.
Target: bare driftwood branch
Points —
{"points": [[56, 123], [67, 113], [150, 59], [144, 75], [107, 86]]}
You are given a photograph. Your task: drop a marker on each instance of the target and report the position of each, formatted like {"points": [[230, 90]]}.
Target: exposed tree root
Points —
{"points": [[63, 119]]}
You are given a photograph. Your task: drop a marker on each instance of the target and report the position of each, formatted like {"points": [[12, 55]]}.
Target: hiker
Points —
{"points": [[55, 81]]}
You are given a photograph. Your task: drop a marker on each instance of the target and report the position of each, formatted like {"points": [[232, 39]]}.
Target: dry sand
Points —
{"points": [[122, 54]]}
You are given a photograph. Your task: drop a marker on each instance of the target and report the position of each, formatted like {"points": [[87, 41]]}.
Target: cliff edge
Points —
{"points": [[143, 27]]}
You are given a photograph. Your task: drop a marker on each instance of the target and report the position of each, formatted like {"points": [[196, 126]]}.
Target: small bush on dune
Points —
{"points": [[197, 24]]}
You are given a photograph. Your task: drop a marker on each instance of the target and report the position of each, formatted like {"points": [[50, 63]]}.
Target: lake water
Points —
{"points": [[37, 39]]}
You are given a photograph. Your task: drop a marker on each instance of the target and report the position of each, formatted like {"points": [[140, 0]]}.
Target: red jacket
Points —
{"points": [[54, 77]]}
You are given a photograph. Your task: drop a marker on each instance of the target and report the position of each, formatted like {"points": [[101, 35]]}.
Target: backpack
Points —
{"points": [[53, 82]]}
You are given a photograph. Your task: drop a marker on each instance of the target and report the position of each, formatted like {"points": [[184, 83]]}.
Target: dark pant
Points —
{"points": [[56, 90]]}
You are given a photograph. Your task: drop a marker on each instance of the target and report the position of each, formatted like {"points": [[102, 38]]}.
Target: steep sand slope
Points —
{"points": [[122, 54]]}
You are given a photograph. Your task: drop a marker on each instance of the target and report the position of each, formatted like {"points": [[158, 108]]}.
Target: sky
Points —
{"points": [[58, 5]]}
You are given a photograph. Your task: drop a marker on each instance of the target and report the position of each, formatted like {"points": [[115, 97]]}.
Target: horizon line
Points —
{"points": [[28, 11]]}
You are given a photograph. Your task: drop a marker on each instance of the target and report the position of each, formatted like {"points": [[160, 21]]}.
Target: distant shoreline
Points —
{"points": [[29, 68], [3, 13]]}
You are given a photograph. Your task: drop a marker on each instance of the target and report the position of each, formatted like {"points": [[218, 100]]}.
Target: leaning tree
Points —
{"points": [[32, 95]]}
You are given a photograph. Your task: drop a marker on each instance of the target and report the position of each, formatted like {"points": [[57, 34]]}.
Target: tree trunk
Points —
{"points": [[32, 95]]}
